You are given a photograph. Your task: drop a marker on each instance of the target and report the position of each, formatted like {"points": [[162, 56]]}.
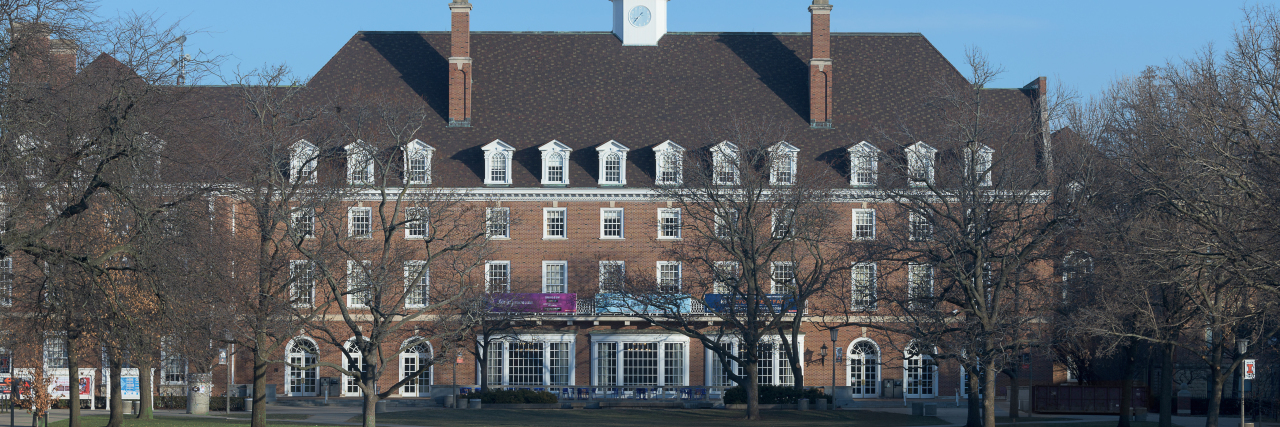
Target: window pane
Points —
{"points": [[613, 168], [673, 363], [669, 277], [499, 222], [493, 362], [561, 355], [416, 222], [864, 223], [526, 363], [555, 277], [670, 223], [864, 287], [640, 363], [607, 363], [611, 220], [499, 277], [555, 222]]}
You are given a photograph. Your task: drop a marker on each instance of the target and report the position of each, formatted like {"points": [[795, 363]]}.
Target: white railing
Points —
{"points": [[693, 393]]}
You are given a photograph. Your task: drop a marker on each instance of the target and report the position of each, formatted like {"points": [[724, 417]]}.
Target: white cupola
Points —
{"points": [[639, 22]]}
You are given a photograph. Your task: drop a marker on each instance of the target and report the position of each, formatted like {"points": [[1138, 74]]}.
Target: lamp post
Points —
{"points": [[835, 335], [1242, 345]]}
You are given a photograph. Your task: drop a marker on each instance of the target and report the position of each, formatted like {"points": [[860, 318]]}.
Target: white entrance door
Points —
{"points": [[922, 377], [302, 382], [864, 370]]}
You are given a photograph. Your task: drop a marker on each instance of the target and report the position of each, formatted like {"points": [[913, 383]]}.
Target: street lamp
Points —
{"points": [[835, 335], [823, 352], [1242, 345]]}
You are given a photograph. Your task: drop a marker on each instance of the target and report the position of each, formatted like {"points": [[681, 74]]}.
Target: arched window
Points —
{"points": [[613, 168], [613, 160], [670, 166], [302, 382], [412, 359], [497, 156], [417, 162], [355, 362], [498, 167], [864, 369], [921, 374], [555, 163]]}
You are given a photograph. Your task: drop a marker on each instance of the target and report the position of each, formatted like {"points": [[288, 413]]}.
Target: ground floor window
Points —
{"points": [[773, 366], [355, 363], [640, 360], [921, 375], [864, 369], [530, 360], [412, 359], [302, 382]]}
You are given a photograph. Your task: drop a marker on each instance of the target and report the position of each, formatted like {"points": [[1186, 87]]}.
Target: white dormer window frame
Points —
{"points": [[555, 163], [783, 156], [864, 165], [921, 164], [417, 162], [359, 163], [303, 157], [725, 160], [669, 159], [497, 162], [613, 163], [982, 168]]}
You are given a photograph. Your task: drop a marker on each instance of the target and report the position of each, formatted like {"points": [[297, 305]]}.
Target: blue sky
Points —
{"points": [[1083, 44]]}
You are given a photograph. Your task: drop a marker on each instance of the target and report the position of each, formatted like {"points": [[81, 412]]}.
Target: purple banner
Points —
{"points": [[535, 303]]}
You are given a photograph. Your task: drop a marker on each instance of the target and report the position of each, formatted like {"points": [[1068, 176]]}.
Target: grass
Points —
{"points": [[659, 417], [163, 421], [269, 416], [1085, 424]]}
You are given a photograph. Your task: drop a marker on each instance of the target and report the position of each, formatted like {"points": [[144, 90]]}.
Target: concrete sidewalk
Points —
{"points": [[958, 417]]}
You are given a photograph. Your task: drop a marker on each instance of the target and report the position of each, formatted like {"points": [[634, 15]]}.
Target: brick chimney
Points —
{"points": [[460, 65], [38, 58], [1039, 90], [820, 110]]}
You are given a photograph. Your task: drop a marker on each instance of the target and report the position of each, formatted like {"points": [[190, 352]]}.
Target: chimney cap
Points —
{"points": [[821, 2]]}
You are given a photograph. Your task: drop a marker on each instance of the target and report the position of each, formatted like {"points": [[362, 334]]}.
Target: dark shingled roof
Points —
{"points": [[584, 89]]}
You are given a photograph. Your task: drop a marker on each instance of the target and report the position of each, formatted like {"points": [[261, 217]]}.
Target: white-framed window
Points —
{"points": [[726, 223], [55, 351], [302, 162], [979, 163], [782, 223], [782, 171], [302, 283], [611, 220], [303, 223], [555, 163], [863, 362], [360, 223], [669, 223], [670, 163], [921, 374], [530, 359], [864, 164], [359, 163], [613, 163], [773, 366], [628, 360], [669, 277], [864, 286], [864, 224], [416, 223], [359, 290], [356, 363], [417, 162], [919, 286], [173, 367], [725, 160], [6, 362], [782, 277], [6, 281], [417, 284], [497, 277], [613, 277], [726, 275], [1076, 268], [497, 162], [554, 223], [498, 223], [414, 357], [920, 164], [555, 277], [301, 353], [921, 227]]}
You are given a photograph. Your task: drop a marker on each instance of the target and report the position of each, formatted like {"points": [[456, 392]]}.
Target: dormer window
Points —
{"points": [[670, 160], [920, 164], [724, 158], [613, 163], [864, 162], [417, 162], [981, 163], [359, 163], [783, 169], [555, 163], [497, 161], [302, 162]]}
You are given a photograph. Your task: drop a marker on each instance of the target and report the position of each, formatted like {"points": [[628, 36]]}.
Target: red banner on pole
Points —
{"points": [[1250, 369]]}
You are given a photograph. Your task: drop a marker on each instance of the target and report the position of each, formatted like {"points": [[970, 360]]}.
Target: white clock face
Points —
{"points": [[639, 16]]}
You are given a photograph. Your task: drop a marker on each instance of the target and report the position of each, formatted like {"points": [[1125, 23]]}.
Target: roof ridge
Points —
{"points": [[683, 33]]}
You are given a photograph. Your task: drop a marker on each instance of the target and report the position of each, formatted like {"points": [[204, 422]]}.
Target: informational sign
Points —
{"points": [[222, 356], [6, 364], [1250, 369], [839, 354], [61, 387], [130, 388], [459, 360], [6, 386]]}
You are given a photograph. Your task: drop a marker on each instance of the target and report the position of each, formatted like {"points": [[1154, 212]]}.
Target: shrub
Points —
{"points": [[512, 396], [773, 394], [171, 402]]}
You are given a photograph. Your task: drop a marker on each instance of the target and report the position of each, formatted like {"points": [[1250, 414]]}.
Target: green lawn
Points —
{"points": [[1088, 424], [163, 421], [649, 417]]}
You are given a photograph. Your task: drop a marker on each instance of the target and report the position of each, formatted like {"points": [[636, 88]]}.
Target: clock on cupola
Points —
{"points": [[639, 22]]}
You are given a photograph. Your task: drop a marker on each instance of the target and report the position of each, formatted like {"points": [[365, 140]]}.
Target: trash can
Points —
{"points": [[802, 404], [449, 400], [475, 403], [822, 404]]}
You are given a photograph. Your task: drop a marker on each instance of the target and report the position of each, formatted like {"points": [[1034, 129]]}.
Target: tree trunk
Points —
{"points": [[259, 418], [146, 390], [73, 380], [370, 403], [1126, 387], [1215, 386], [1166, 386], [753, 388], [117, 401], [989, 398], [1014, 394], [974, 399]]}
